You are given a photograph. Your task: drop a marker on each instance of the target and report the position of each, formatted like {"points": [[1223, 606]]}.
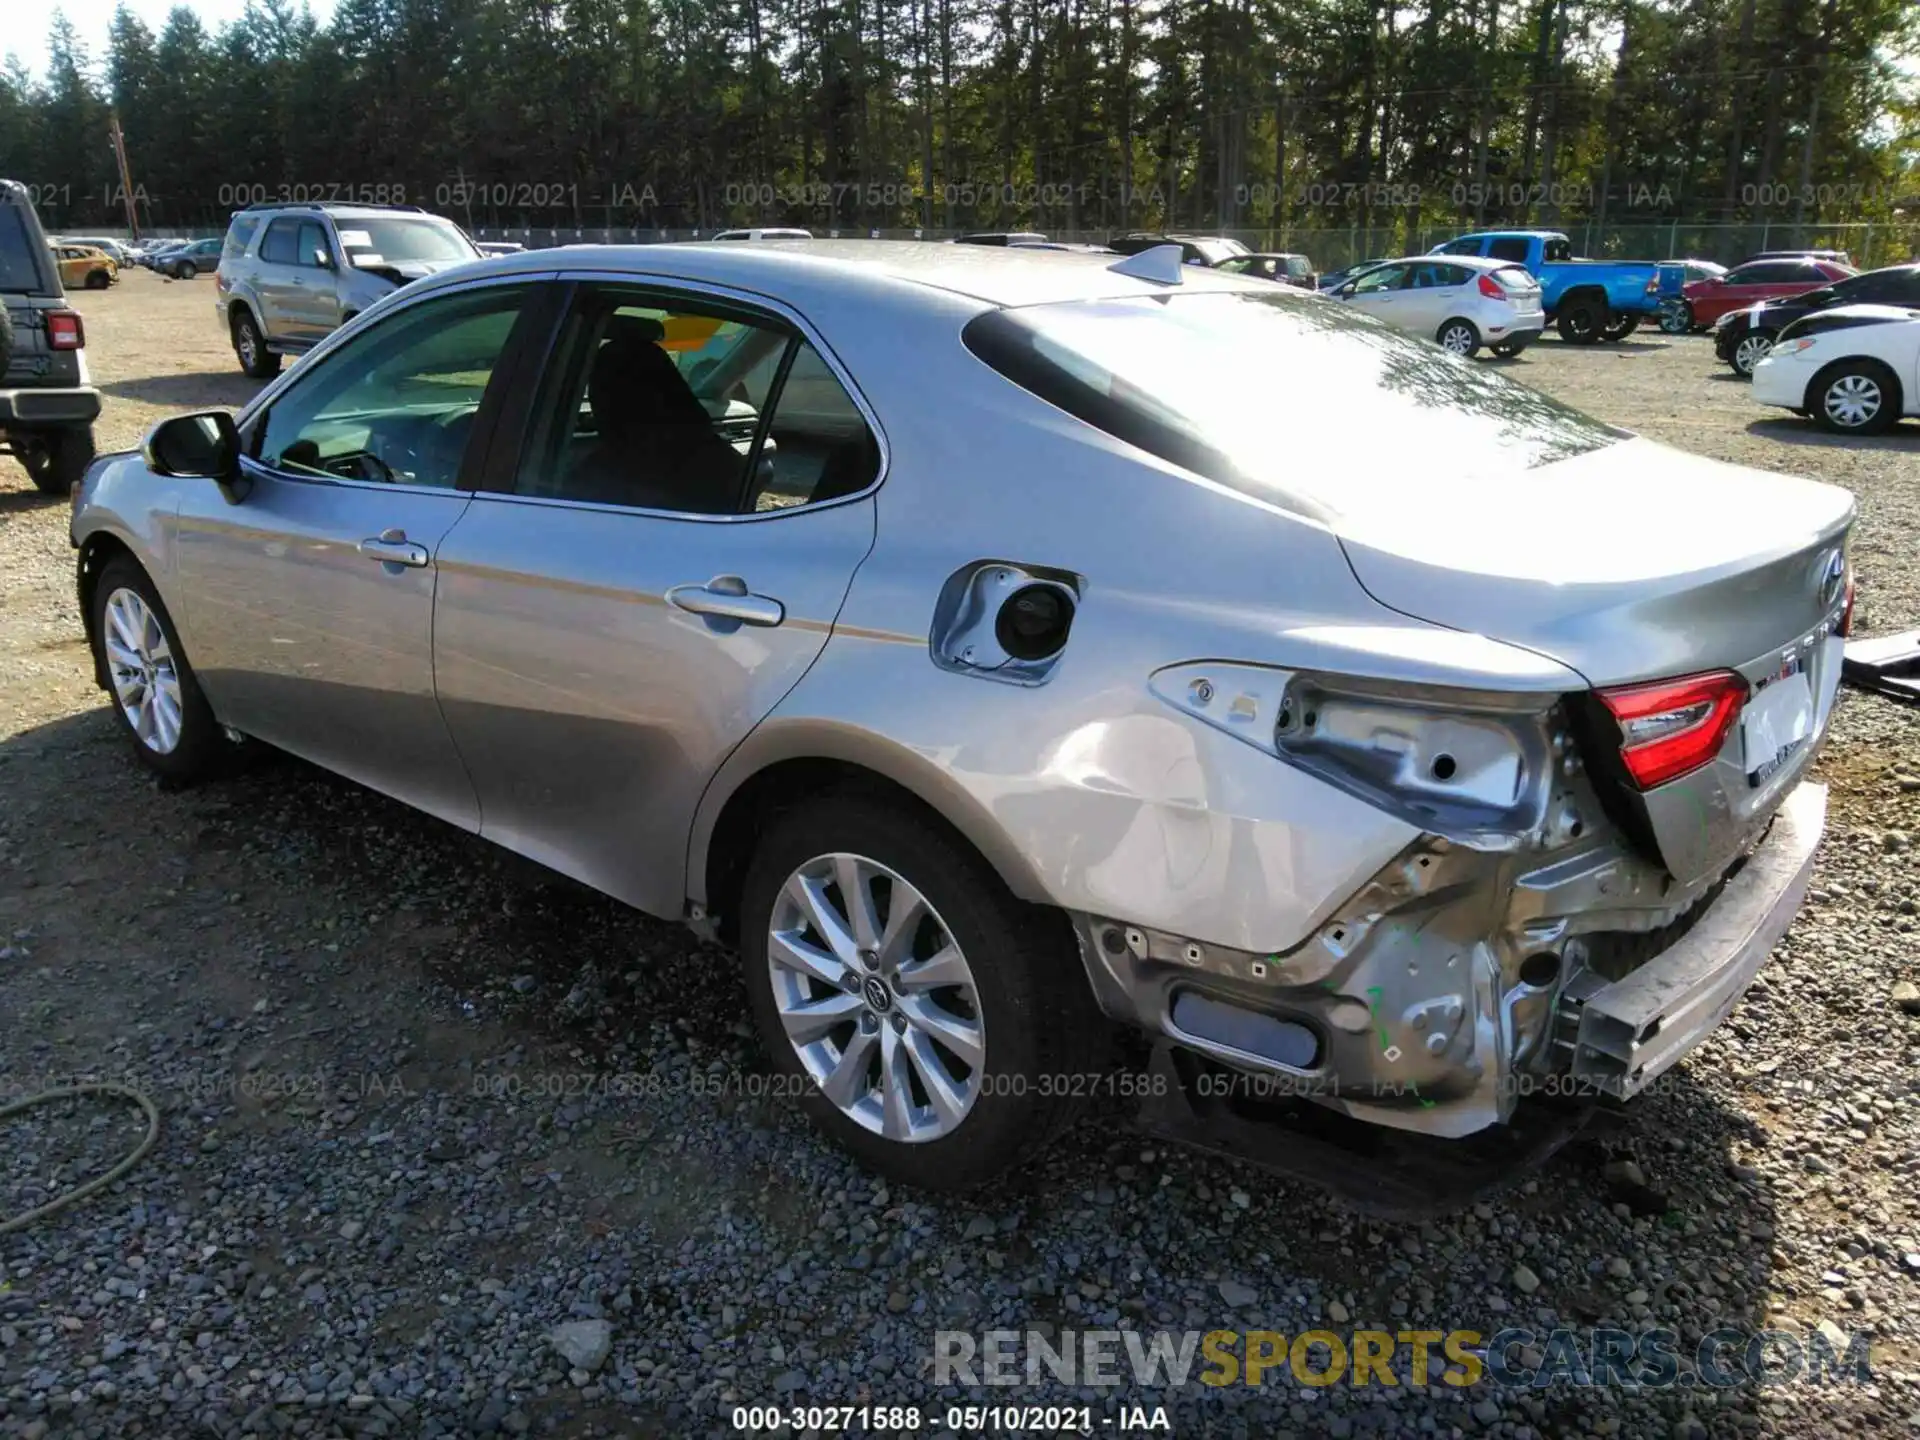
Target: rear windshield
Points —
{"points": [[1280, 396], [17, 268], [369, 241]]}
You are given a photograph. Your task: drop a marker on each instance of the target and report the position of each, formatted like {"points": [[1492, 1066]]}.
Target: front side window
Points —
{"points": [[663, 403], [313, 243], [1466, 245], [1383, 277], [1189, 378], [396, 403]]}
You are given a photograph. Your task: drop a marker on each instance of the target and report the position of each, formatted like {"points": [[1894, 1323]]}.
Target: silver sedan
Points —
{"points": [[1004, 650]]}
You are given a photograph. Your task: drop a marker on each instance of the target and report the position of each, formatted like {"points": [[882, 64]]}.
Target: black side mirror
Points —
{"points": [[204, 446]]}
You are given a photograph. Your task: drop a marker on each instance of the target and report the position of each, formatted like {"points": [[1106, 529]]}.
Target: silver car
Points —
{"points": [[1002, 650], [290, 275], [1462, 302]]}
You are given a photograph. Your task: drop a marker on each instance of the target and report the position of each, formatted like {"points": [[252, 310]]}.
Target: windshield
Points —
{"points": [[1255, 390], [370, 241]]}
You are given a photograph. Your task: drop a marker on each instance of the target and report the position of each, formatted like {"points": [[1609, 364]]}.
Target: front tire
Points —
{"points": [[250, 348], [185, 270], [1676, 318], [1459, 337], [1855, 397], [55, 459], [934, 1025], [1750, 351], [155, 697]]}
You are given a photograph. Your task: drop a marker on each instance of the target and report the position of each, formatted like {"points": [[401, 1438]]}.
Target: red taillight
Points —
{"points": [[64, 331], [1490, 288], [1653, 284], [1671, 727], [1845, 627]]}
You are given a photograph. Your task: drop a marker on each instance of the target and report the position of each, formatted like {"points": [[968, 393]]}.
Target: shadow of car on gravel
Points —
{"points": [[202, 390], [1903, 438]]}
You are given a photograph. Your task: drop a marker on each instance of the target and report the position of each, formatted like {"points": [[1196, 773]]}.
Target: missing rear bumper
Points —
{"points": [[1635, 1029]]}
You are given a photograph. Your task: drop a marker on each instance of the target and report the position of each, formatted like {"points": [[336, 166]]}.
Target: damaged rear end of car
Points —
{"points": [[1588, 674]]}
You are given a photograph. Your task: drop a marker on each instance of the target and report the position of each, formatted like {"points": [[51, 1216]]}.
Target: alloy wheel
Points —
{"points": [[1457, 338], [876, 998], [146, 683], [1751, 350], [1852, 401], [249, 345]]}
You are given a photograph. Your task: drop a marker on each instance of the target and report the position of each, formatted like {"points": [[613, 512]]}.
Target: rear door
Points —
{"points": [[279, 280], [621, 607], [1432, 293]]}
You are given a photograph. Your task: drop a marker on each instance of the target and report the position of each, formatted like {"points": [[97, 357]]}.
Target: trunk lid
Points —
{"points": [[1634, 562], [1629, 562]]}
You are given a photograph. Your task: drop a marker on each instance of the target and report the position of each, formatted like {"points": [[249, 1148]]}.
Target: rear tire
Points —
{"points": [[98, 280], [1582, 322], [250, 347], [1751, 350], [1620, 327], [152, 690], [1508, 349], [55, 459], [839, 1020], [1855, 397]]}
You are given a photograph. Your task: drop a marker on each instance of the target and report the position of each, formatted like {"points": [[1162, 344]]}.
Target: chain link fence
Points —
{"points": [[1869, 245]]}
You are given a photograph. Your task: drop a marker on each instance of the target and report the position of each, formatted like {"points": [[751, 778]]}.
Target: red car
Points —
{"points": [[1758, 280]]}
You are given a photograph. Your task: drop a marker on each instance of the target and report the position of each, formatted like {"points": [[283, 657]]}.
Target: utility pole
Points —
{"points": [[126, 180]]}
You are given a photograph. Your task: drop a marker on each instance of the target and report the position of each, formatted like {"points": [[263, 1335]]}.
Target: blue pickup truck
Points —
{"points": [[1586, 300]]}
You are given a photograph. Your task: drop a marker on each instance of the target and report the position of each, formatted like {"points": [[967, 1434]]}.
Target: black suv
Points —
{"points": [[1743, 337], [47, 408]]}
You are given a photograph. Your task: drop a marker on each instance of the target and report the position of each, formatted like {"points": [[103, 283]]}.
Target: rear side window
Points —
{"points": [[1509, 247], [282, 243], [1190, 379], [17, 268], [238, 234]]}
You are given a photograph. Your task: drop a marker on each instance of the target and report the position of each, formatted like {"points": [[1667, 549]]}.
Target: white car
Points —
{"points": [[1854, 368], [1460, 301]]}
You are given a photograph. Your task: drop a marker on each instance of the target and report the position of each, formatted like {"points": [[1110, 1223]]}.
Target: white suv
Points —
{"points": [[290, 275]]}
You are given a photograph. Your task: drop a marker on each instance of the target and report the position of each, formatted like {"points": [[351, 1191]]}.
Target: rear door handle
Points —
{"points": [[726, 597], [391, 547]]}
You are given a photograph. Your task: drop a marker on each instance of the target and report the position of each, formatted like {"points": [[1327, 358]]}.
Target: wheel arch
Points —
{"points": [[95, 551], [793, 764], [1890, 376], [1581, 295]]}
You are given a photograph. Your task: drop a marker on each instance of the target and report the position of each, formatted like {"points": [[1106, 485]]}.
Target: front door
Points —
{"points": [[693, 498], [1378, 293], [310, 602]]}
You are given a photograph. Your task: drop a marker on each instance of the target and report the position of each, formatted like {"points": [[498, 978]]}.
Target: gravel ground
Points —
{"points": [[425, 1107]]}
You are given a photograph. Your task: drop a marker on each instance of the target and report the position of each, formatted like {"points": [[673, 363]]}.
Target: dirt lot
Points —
{"points": [[423, 1104]]}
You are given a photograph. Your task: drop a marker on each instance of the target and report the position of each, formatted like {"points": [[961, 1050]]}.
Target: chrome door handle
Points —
{"points": [[726, 597], [391, 547]]}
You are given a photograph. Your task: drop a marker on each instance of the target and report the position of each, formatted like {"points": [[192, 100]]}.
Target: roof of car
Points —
{"points": [[1472, 262], [1009, 275]]}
